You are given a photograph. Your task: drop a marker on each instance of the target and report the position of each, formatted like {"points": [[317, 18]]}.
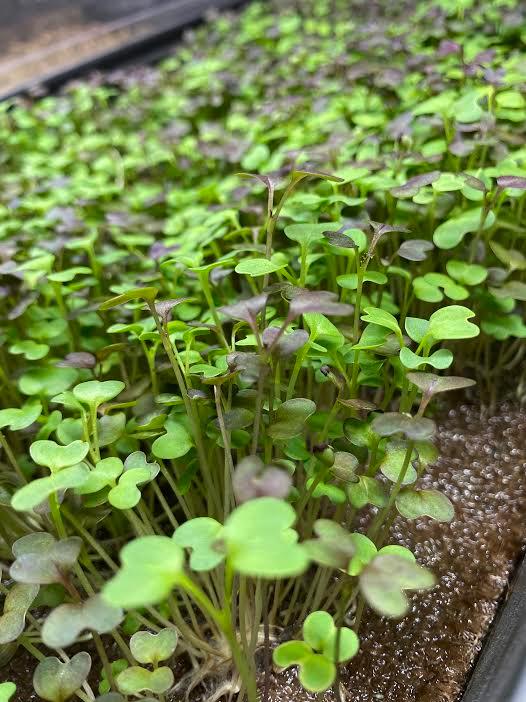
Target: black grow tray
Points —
{"points": [[500, 666], [501, 663], [151, 30]]}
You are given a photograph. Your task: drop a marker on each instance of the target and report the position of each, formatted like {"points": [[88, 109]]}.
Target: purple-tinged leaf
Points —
{"points": [[320, 301], [415, 249], [252, 479], [447, 47], [78, 359], [485, 56], [306, 171], [22, 305], [338, 238], [415, 428], [284, 344], [219, 274], [495, 76], [431, 384], [165, 307], [413, 185], [158, 250], [512, 182], [460, 146], [246, 310], [247, 364], [475, 183], [400, 126], [379, 230]]}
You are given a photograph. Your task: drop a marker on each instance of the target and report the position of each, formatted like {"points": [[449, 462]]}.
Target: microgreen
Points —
{"points": [[225, 327]]}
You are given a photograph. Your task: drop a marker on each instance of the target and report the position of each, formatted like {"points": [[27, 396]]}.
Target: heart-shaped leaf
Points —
{"points": [[47, 381], [384, 581], [515, 289], [416, 428], [260, 540], [440, 359], [55, 681], [367, 491], [429, 288], [94, 392], [41, 560], [382, 318], [126, 494], [452, 323], [451, 232], [20, 418], [515, 260], [34, 493], [152, 648], [318, 670], [253, 479], [151, 566], [66, 622], [135, 680], [105, 473], [412, 504], [29, 349], [334, 547], [16, 605], [290, 418], [202, 536], [174, 444], [466, 273], [55, 457]]}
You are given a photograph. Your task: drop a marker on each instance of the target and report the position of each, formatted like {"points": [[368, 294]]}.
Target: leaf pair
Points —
{"points": [[67, 621], [358, 556], [322, 648], [290, 418], [122, 479], [56, 681], [40, 559], [257, 540]]}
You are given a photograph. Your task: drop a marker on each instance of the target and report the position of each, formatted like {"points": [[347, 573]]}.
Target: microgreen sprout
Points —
{"points": [[227, 327]]}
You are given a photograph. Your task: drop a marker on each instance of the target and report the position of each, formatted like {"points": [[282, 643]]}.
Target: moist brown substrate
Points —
{"points": [[427, 656]]}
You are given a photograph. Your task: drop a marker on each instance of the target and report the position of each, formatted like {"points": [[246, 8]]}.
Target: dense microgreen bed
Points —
{"points": [[232, 287]]}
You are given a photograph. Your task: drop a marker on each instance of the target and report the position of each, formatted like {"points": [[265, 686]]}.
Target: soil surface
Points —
{"points": [[427, 656]]}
